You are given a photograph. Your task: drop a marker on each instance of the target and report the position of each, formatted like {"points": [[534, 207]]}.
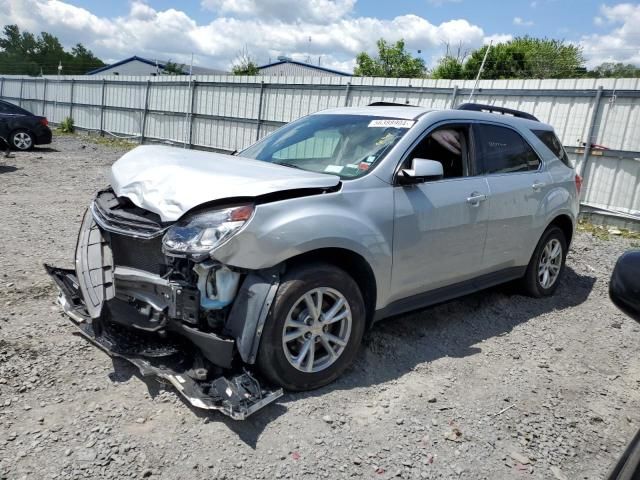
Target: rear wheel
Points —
{"points": [[314, 329], [21, 140], [547, 264]]}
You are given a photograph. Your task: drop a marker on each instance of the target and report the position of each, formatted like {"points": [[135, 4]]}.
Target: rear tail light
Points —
{"points": [[578, 183], [44, 122]]}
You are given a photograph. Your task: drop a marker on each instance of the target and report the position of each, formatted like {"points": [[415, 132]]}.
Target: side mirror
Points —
{"points": [[624, 287], [422, 170]]}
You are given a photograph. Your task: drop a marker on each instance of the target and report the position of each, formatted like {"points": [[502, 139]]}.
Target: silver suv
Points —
{"points": [[203, 268]]}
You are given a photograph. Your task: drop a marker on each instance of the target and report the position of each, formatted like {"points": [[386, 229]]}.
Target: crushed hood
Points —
{"points": [[171, 181]]}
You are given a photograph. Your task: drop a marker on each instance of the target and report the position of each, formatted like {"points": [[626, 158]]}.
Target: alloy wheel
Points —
{"points": [[317, 330], [22, 141], [550, 263]]}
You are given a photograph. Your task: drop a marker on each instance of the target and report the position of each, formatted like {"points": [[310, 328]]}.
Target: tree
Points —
{"points": [[392, 61], [172, 68], [523, 57], [615, 70], [244, 64], [527, 57], [21, 53]]}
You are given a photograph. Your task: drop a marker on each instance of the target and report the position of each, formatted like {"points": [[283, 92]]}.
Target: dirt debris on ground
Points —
{"points": [[493, 385]]}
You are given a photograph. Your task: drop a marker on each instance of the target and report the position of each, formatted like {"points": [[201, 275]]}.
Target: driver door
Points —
{"points": [[440, 226]]}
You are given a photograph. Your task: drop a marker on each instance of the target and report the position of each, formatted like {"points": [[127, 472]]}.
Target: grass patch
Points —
{"points": [[61, 132], [605, 232], [113, 142]]}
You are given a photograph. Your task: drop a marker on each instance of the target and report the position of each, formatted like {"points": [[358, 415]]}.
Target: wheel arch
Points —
{"points": [[352, 263], [565, 223]]}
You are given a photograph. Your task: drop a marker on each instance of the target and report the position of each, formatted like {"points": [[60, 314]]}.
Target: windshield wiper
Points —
{"points": [[285, 164]]}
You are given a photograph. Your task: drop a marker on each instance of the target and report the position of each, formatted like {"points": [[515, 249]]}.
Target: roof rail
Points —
{"points": [[389, 104], [477, 107]]}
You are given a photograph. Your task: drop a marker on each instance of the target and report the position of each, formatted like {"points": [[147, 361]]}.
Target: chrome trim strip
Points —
{"points": [[95, 212]]}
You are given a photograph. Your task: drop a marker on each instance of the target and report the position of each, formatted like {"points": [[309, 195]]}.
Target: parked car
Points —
{"points": [[282, 256], [22, 129], [624, 290]]}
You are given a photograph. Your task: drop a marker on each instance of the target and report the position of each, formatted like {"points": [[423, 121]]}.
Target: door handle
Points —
{"points": [[475, 198], [537, 186]]}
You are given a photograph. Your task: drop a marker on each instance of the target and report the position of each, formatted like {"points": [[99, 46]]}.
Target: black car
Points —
{"points": [[22, 129], [624, 290]]}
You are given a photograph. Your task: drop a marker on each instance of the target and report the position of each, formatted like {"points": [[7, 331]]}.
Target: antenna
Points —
{"points": [[486, 54]]}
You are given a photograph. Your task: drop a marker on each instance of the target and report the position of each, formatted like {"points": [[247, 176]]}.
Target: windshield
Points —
{"points": [[345, 145]]}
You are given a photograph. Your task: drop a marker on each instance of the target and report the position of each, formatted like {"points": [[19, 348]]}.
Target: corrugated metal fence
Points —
{"points": [[228, 113]]}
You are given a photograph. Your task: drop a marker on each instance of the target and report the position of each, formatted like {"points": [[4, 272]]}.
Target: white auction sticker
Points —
{"points": [[391, 122]]}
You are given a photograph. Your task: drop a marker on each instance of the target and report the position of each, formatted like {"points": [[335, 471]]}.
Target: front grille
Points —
{"points": [[134, 233], [119, 215], [143, 254]]}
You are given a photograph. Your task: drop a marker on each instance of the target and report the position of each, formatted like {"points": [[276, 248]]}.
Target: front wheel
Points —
{"points": [[314, 329], [547, 264]]}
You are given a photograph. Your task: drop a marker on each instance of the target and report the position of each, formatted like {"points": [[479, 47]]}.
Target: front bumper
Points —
{"points": [[237, 395]]}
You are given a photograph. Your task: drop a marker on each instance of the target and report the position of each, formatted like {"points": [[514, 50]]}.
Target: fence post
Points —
{"points": [[102, 108], [145, 111], [190, 126], [21, 85], [590, 139], [2, 87], [454, 94], [347, 90], [260, 110], [44, 97], [71, 99]]}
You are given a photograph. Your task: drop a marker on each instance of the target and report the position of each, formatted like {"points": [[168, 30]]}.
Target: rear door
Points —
{"points": [[518, 186], [440, 226]]}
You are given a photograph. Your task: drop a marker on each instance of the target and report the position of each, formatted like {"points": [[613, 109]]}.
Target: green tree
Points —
{"points": [[392, 61], [21, 53], [245, 64], [527, 57], [615, 70], [172, 68], [449, 67]]}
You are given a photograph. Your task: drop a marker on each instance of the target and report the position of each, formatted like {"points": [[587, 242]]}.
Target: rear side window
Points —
{"points": [[502, 150], [553, 143], [9, 108]]}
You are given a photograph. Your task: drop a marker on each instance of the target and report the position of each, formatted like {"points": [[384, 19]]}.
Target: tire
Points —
{"points": [[290, 310], [22, 140], [534, 280]]}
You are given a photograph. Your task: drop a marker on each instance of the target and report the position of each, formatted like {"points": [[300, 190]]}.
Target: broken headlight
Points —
{"points": [[199, 234]]}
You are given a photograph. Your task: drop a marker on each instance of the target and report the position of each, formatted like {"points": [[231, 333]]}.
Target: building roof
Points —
{"points": [[308, 65], [195, 70]]}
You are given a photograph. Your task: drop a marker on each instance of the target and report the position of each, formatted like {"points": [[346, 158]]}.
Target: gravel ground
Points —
{"points": [[493, 385]]}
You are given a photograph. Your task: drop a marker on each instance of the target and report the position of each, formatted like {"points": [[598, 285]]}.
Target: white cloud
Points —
{"points": [[521, 22], [317, 11], [312, 28], [622, 43], [498, 38]]}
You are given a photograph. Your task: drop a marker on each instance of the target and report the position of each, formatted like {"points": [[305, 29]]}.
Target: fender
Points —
{"points": [[349, 220]]}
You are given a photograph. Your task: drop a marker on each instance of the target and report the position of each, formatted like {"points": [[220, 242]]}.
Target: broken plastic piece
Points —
{"points": [[238, 396]]}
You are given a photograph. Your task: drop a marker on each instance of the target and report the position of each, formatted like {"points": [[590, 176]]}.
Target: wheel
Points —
{"points": [[21, 140], [314, 328], [547, 264]]}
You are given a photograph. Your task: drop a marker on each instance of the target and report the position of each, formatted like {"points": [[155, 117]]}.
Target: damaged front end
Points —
{"points": [[185, 319]]}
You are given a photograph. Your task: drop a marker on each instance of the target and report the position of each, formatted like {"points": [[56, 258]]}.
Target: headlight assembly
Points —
{"points": [[199, 234]]}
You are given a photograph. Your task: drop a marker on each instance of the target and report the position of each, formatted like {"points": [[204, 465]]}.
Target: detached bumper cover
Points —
{"points": [[238, 396]]}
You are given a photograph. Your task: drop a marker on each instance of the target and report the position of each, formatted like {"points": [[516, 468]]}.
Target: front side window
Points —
{"points": [[502, 150], [346, 145], [554, 144], [448, 145]]}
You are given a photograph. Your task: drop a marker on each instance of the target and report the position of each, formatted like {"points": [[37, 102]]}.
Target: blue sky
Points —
{"points": [[567, 19], [216, 30]]}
